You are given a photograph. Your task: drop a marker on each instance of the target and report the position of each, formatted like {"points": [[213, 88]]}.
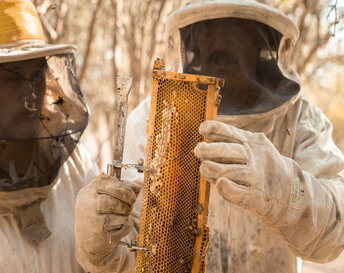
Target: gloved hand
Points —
{"points": [[102, 217], [247, 170]]}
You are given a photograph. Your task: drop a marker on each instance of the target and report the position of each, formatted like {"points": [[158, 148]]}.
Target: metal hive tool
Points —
{"points": [[175, 199]]}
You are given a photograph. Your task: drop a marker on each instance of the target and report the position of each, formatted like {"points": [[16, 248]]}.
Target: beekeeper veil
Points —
{"points": [[51, 124], [43, 114], [246, 43]]}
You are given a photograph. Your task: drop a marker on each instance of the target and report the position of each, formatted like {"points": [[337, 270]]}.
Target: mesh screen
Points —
{"points": [[245, 54], [174, 203], [43, 117]]}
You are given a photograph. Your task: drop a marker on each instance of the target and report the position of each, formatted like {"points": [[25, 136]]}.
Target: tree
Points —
{"points": [[125, 36]]}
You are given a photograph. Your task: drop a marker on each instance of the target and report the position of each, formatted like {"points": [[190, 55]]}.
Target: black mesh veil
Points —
{"points": [[245, 54], [32, 157]]}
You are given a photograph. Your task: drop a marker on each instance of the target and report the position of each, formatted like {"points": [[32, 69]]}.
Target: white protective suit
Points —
{"points": [[55, 254], [312, 225], [240, 242], [42, 167]]}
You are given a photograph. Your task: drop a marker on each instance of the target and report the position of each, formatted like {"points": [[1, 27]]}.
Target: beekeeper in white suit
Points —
{"points": [[42, 116], [277, 177]]}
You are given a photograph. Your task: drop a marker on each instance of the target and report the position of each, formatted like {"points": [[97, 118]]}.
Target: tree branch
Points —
{"points": [[312, 52], [52, 34], [60, 21], [89, 40]]}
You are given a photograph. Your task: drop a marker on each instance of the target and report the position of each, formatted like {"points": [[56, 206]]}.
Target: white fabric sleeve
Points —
{"points": [[313, 223], [81, 168]]}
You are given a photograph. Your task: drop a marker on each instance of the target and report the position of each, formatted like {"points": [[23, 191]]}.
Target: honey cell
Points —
{"points": [[175, 198]]}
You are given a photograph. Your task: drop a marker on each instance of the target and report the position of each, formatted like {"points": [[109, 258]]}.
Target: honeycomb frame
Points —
{"points": [[175, 198]]}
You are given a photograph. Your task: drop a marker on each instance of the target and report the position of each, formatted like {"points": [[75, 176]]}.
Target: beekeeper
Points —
{"points": [[277, 177], [42, 167]]}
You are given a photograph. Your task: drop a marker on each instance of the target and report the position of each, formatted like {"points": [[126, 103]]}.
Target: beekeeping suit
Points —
{"points": [[42, 116], [277, 177]]}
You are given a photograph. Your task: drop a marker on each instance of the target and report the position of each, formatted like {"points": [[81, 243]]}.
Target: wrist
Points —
{"points": [[284, 193]]}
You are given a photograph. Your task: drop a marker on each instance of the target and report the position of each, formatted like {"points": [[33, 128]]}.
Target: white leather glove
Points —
{"points": [[247, 169], [102, 217]]}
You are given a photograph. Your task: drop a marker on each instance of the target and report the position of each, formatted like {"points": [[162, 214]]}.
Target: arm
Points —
{"points": [[314, 226], [102, 218], [103, 254], [301, 199]]}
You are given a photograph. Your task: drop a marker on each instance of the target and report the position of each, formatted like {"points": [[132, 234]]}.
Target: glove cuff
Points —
{"points": [[285, 194]]}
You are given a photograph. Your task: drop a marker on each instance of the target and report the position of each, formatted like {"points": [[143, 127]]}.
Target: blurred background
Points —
{"points": [[125, 36]]}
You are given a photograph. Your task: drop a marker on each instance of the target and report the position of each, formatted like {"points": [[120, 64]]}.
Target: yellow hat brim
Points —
{"points": [[21, 53]]}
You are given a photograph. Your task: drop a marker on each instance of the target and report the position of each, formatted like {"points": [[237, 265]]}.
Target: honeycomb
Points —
{"points": [[174, 205]]}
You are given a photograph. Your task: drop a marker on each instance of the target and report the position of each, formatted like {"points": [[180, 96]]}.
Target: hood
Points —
{"points": [[43, 130], [271, 82], [42, 114]]}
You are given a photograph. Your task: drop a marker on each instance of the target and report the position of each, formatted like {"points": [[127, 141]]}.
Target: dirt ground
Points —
{"points": [[337, 266]]}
